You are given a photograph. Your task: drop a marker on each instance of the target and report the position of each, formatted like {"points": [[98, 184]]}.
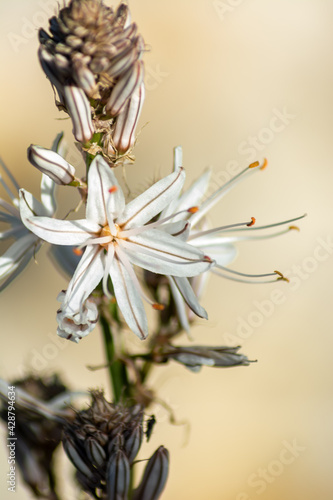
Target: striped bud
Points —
{"points": [[79, 110], [76, 458], [124, 131], [154, 476], [118, 476], [133, 442], [95, 452], [52, 164], [124, 88]]}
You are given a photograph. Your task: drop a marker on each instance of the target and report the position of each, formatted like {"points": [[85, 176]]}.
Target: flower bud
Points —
{"points": [[133, 442], [124, 131], [79, 109], [118, 476], [154, 477], [52, 164]]}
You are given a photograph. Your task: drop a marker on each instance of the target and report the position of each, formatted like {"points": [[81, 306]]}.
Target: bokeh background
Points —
{"points": [[218, 73]]}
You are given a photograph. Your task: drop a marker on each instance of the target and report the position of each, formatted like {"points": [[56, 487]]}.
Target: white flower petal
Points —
{"points": [[180, 229], [190, 298], [128, 298], [29, 206], [192, 197], [163, 254], [58, 232], [47, 188], [143, 208], [180, 305], [11, 259], [100, 200], [88, 274], [222, 255]]}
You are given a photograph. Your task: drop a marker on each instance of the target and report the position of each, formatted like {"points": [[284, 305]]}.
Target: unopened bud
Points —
{"points": [[79, 110], [118, 476], [52, 164], [154, 477], [133, 443], [124, 131]]}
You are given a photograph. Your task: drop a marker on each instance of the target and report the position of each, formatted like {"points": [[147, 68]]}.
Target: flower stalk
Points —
{"points": [[117, 369]]}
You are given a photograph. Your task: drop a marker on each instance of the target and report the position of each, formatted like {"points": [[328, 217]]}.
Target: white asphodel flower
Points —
{"points": [[26, 243], [117, 236], [217, 243]]}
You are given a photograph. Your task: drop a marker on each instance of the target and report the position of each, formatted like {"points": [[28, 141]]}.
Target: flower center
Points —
{"points": [[106, 232]]}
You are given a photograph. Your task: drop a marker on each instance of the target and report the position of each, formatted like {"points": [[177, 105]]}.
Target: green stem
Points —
{"points": [[117, 369]]}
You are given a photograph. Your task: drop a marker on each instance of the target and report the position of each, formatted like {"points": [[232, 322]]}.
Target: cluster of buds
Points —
{"points": [[93, 59], [103, 442], [41, 411]]}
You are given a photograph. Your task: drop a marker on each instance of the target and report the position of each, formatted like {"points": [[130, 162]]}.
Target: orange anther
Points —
{"points": [[281, 277], [254, 164], [78, 251], [294, 227], [159, 307], [193, 210], [252, 222], [113, 189], [207, 259], [264, 164]]}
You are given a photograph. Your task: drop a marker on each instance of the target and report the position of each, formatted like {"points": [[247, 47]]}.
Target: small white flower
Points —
{"points": [[117, 236], [26, 243]]}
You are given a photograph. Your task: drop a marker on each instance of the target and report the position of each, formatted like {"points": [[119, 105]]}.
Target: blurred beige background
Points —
{"points": [[218, 72]]}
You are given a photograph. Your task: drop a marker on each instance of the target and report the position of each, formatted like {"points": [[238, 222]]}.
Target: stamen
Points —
{"points": [[158, 307], [221, 229], [77, 251], [113, 189], [268, 226], [281, 277], [246, 275], [220, 192], [242, 280], [127, 233], [207, 259], [252, 222], [254, 164], [264, 164]]}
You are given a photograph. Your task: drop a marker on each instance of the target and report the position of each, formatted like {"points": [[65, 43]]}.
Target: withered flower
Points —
{"points": [[103, 442], [41, 410], [194, 357], [93, 59]]}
